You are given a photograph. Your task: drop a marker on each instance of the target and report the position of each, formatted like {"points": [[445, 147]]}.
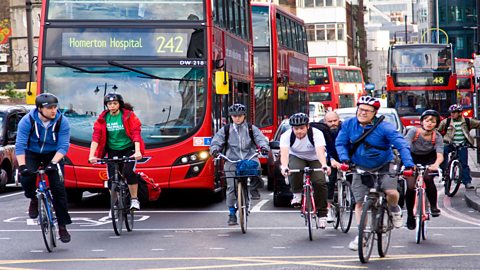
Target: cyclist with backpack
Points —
{"points": [[426, 147], [456, 130], [43, 136], [239, 140], [367, 141], [303, 146]]}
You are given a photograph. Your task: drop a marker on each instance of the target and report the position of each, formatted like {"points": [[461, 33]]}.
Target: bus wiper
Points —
{"points": [[65, 64], [147, 75]]}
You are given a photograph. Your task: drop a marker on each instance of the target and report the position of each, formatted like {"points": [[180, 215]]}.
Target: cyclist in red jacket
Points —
{"points": [[117, 132]]}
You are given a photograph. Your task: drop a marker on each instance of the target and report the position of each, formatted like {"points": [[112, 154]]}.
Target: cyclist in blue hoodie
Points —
{"points": [[43, 136], [372, 155]]}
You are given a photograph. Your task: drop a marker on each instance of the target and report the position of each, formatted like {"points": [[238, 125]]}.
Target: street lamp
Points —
{"points": [[97, 89]]}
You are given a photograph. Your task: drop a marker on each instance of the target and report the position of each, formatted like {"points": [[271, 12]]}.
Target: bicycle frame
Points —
{"points": [[307, 185], [420, 187]]}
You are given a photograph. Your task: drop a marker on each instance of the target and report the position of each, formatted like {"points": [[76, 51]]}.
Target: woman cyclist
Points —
{"points": [[426, 146], [117, 133]]}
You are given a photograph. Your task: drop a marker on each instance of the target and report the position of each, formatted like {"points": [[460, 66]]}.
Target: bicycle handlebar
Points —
{"points": [[115, 159], [220, 155], [306, 170]]}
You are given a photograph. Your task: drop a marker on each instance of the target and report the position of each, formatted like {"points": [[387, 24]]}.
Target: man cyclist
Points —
{"points": [[43, 136], [242, 142], [303, 153], [457, 131], [374, 154], [426, 146]]}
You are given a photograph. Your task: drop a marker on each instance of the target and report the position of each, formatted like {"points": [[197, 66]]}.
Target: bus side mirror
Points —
{"points": [[31, 93], [282, 93], [221, 83]]}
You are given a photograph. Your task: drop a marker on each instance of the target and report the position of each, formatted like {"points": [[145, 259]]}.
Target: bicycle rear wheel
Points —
{"points": [[116, 208], [307, 206], [455, 176], [384, 230], [418, 216], [346, 208], [366, 231], [44, 222], [242, 206], [129, 214]]}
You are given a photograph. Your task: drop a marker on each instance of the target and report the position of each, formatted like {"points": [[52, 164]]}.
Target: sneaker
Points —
{"points": [[411, 224], [33, 208], [232, 220], [63, 233], [397, 217], [322, 222], [330, 215], [353, 245], [297, 200], [134, 204], [435, 211], [110, 214], [469, 186]]}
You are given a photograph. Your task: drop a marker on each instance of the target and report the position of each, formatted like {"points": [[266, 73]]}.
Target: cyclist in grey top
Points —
{"points": [[238, 147]]}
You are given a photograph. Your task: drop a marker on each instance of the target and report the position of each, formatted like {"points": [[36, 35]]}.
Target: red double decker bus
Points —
{"points": [[420, 77], [281, 66], [465, 84], [164, 58], [335, 86]]}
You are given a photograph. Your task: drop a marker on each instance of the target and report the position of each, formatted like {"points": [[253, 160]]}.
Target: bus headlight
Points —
{"points": [[192, 158]]}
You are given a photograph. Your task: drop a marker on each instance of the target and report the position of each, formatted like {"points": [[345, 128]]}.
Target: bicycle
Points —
{"points": [[376, 220], [46, 212], [119, 196], [343, 204], [454, 170], [241, 190], [308, 210], [421, 211]]}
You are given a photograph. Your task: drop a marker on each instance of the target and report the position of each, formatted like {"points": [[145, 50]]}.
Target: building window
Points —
{"points": [[309, 3], [311, 32], [320, 31], [340, 32], [331, 32]]}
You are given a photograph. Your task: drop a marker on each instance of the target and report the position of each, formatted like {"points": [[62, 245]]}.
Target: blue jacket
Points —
{"points": [[42, 140], [376, 149]]}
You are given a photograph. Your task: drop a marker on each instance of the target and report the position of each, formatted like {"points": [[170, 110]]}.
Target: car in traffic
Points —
{"points": [[10, 115]]}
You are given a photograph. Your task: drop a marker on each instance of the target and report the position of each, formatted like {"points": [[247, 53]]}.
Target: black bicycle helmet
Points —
{"points": [[431, 113], [113, 97], [298, 119], [46, 100], [237, 109]]}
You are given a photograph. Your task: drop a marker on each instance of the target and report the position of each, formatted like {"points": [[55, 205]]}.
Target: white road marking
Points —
{"points": [[31, 221], [36, 251], [459, 246], [338, 247], [98, 250], [11, 194], [279, 247], [5, 238], [158, 249], [223, 235], [398, 246], [258, 206], [217, 248]]}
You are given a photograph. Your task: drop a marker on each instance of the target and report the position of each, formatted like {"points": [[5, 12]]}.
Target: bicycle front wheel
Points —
{"points": [[242, 206], [384, 230], [418, 216], [307, 206], [116, 208], [129, 214], [44, 222], [366, 231], [346, 208], [455, 177]]}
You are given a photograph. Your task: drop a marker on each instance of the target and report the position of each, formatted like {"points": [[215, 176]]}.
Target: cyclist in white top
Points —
{"points": [[306, 147]]}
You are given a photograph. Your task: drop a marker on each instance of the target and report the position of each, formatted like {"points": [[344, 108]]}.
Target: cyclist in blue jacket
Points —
{"points": [[43, 136], [373, 154]]}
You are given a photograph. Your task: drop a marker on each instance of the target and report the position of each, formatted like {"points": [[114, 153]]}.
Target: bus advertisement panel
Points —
{"points": [[281, 62], [420, 77], [465, 84], [162, 57], [335, 86]]}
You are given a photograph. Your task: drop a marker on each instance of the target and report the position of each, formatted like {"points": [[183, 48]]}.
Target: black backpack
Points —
{"points": [[32, 127], [327, 134], [227, 134]]}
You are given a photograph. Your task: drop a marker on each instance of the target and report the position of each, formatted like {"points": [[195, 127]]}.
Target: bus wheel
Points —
{"points": [[74, 195]]}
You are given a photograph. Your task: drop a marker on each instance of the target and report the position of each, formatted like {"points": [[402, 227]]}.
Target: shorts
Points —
{"points": [[389, 182]]}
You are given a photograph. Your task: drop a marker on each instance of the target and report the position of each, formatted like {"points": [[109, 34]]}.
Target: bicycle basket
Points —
{"points": [[247, 167]]}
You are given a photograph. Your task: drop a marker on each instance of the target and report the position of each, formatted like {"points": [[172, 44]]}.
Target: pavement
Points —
{"points": [[472, 196]]}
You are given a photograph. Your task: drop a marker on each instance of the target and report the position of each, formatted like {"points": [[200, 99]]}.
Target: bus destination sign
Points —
{"points": [[160, 44]]}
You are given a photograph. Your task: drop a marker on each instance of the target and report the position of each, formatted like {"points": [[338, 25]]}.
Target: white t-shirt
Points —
{"points": [[302, 148]]}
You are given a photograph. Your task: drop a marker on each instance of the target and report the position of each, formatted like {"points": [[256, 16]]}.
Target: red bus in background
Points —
{"points": [[420, 77], [162, 56], [281, 66], [465, 84], [335, 86]]}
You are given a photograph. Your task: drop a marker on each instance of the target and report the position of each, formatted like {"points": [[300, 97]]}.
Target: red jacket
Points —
{"points": [[131, 123]]}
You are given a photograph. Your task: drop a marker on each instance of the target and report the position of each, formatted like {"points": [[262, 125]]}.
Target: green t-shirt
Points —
{"points": [[117, 138]]}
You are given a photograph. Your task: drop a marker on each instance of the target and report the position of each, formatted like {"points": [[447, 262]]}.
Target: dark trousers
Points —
{"points": [[462, 157], [332, 181], [29, 184], [127, 169]]}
